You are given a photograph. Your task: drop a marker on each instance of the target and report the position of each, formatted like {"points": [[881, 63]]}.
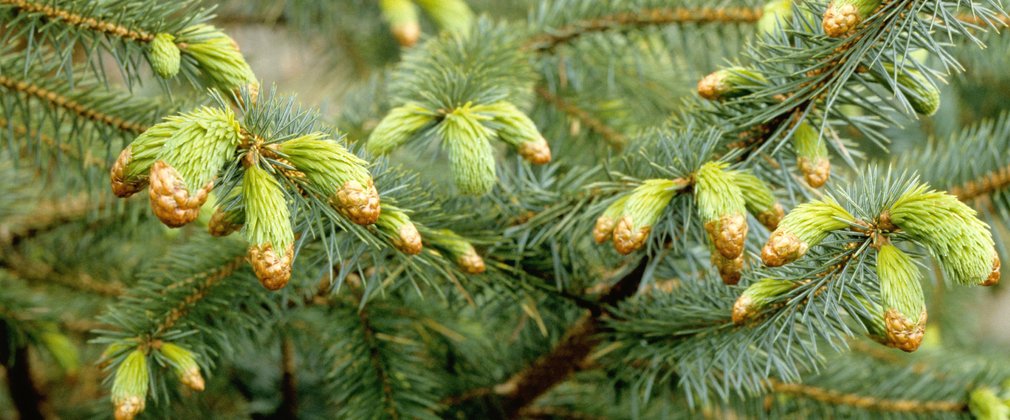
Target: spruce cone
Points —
{"points": [[782, 248], [120, 186], [839, 20], [994, 276], [771, 217], [129, 407], [408, 240], [171, 200], [271, 269], [604, 229], [728, 234], [711, 86], [627, 239], [902, 333], [817, 172], [471, 262], [536, 152], [359, 203]]}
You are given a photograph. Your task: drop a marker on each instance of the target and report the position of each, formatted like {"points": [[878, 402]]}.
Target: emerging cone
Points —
{"points": [[758, 199], [360, 203], [337, 174], [816, 171], [471, 262], [770, 218], [171, 201], [184, 364], [607, 221], [904, 333], [459, 249], [517, 129], [901, 297], [164, 56], [722, 205], [782, 248], [272, 269], [642, 209], [628, 238], [129, 175], [403, 21], [404, 234], [729, 83], [129, 386], [811, 155]]}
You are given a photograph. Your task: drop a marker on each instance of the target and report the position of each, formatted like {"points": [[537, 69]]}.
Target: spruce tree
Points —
{"points": [[504, 209]]}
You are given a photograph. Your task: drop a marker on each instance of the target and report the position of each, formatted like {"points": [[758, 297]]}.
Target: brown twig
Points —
{"points": [[64, 102], [210, 278], [56, 14], [66, 149], [983, 185], [613, 137], [833, 397]]}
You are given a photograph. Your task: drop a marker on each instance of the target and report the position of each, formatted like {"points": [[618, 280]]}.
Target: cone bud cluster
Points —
{"points": [[225, 222], [605, 224], [641, 210], [901, 298], [130, 173], [722, 208], [759, 199], [268, 228], [843, 16], [336, 173], [730, 83], [805, 226]]}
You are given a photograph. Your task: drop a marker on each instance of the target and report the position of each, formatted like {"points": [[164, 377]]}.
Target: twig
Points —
{"points": [[612, 136]]}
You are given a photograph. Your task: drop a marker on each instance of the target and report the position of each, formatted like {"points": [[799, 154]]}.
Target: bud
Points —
{"points": [[403, 22], [642, 209], [985, 404], [225, 222], [164, 56], [901, 297], [471, 157], [336, 173], [515, 128], [184, 364], [449, 15], [807, 225], [730, 83], [402, 232], [759, 199], [130, 173], [217, 56], [721, 207], [994, 276], [398, 127], [268, 228], [757, 297], [729, 268], [921, 93], [842, 16], [62, 350], [189, 161], [957, 240], [776, 14], [459, 249], [605, 224], [129, 386], [811, 155]]}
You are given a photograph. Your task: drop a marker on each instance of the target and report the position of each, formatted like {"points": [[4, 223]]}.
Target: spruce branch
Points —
{"points": [[57, 147], [612, 136], [203, 281], [57, 15], [865, 402], [57, 100]]}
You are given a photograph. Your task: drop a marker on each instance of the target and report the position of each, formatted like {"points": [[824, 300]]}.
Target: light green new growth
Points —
{"points": [[984, 404], [326, 163], [757, 197], [763, 291], [164, 56], [391, 219], [922, 94], [808, 142], [900, 286], [960, 242], [647, 202], [217, 55], [267, 218], [204, 141], [738, 81], [398, 12], [182, 360], [776, 14], [864, 7], [616, 208], [131, 378], [511, 124], [448, 241], [450, 15], [812, 221], [471, 157], [144, 150], [398, 127], [716, 192], [62, 350]]}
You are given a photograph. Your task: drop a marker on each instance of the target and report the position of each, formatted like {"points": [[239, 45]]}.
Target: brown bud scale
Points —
{"points": [[994, 276], [220, 225], [120, 186], [742, 310], [770, 218], [782, 248], [710, 87], [839, 21], [728, 234], [903, 333], [471, 262], [408, 240], [192, 379], [129, 407], [627, 239], [604, 229], [357, 202], [407, 34], [729, 268], [272, 270], [171, 201], [816, 172], [536, 152]]}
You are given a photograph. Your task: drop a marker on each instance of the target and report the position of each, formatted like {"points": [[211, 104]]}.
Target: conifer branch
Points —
{"points": [[35, 271], [88, 159], [376, 360], [613, 137], [71, 105], [53, 14], [643, 18], [210, 279], [44, 217], [865, 402], [986, 184]]}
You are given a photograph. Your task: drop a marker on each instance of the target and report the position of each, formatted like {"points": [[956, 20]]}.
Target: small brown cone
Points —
{"points": [[408, 240], [728, 234], [742, 310], [360, 203], [192, 379], [903, 333], [994, 276], [129, 408], [407, 34], [273, 270], [170, 200], [840, 20], [627, 239], [709, 86], [770, 218], [120, 186], [471, 262], [604, 229], [729, 268], [782, 248], [816, 172], [221, 225], [536, 152]]}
